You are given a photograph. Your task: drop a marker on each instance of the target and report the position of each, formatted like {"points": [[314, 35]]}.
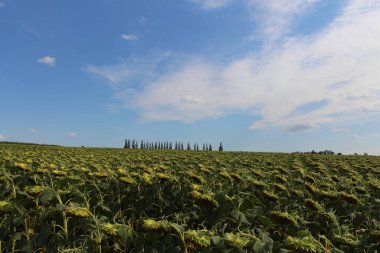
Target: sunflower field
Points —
{"points": [[59, 199]]}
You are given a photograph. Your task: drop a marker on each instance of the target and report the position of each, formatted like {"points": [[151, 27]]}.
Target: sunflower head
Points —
{"points": [[205, 199], [283, 218], [236, 240], [78, 211], [34, 190], [5, 206], [198, 237], [158, 226], [349, 198], [313, 205], [305, 245], [109, 229], [269, 195], [128, 180]]}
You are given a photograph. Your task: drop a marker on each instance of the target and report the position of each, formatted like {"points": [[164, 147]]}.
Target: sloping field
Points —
{"points": [[56, 199]]}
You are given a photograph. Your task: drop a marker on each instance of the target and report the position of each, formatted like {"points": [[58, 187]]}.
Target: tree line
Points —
{"points": [[165, 145]]}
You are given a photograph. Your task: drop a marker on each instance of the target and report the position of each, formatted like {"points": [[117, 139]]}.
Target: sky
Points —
{"points": [[274, 75]]}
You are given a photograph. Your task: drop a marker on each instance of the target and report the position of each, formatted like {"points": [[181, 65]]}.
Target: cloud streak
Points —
{"points": [[47, 60], [72, 134], [129, 37], [211, 4]]}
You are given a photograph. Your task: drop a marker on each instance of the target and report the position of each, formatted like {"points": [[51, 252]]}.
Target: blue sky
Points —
{"points": [[274, 75]]}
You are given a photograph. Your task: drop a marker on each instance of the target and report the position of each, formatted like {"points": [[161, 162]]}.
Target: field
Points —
{"points": [[56, 199]]}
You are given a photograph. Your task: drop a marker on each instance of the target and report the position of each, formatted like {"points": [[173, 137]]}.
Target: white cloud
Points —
{"points": [[129, 37], [2, 136], [2, 5], [274, 17], [337, 65], [72, 134], [341, 130], [33, 130], [48, 60], [211, 4]]}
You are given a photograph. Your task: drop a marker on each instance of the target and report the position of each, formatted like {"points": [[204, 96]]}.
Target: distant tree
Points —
{"points": [[142, 145], [182, 146], [125, 144], [365, 153], [210, 148], [188, 146], [204, 147], [220, 147], [170, 145]]}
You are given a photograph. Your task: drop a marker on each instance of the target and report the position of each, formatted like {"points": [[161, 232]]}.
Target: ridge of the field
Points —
{"points": [[67, 199]]}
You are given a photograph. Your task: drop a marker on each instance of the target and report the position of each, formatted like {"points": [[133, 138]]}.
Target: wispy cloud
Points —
{"points": [[122, 74], [33, 130], [329, 76], [2, 4], [275, 17], [114, 74], [2, 136], [341, 130], [211, 4], [48, 60], [129, 37], [72, 134]]}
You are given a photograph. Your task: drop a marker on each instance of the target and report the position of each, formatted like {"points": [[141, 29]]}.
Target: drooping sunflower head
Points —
{"points": [[279, 187], [5, 206], [78, 211], [98, 174], [34, 190], [128, 180], [152, 225], [205, 199], [197, 179], [163, 176], [349, 198], [109, 229], [198, 237], [269, 195], [283, 218], [147, 178], [313, 205], [305, 245], [236, 240]]}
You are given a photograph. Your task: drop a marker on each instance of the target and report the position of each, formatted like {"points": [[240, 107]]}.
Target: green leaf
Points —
{"points": [[46, 196], [216, 240], [239, 216]]}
